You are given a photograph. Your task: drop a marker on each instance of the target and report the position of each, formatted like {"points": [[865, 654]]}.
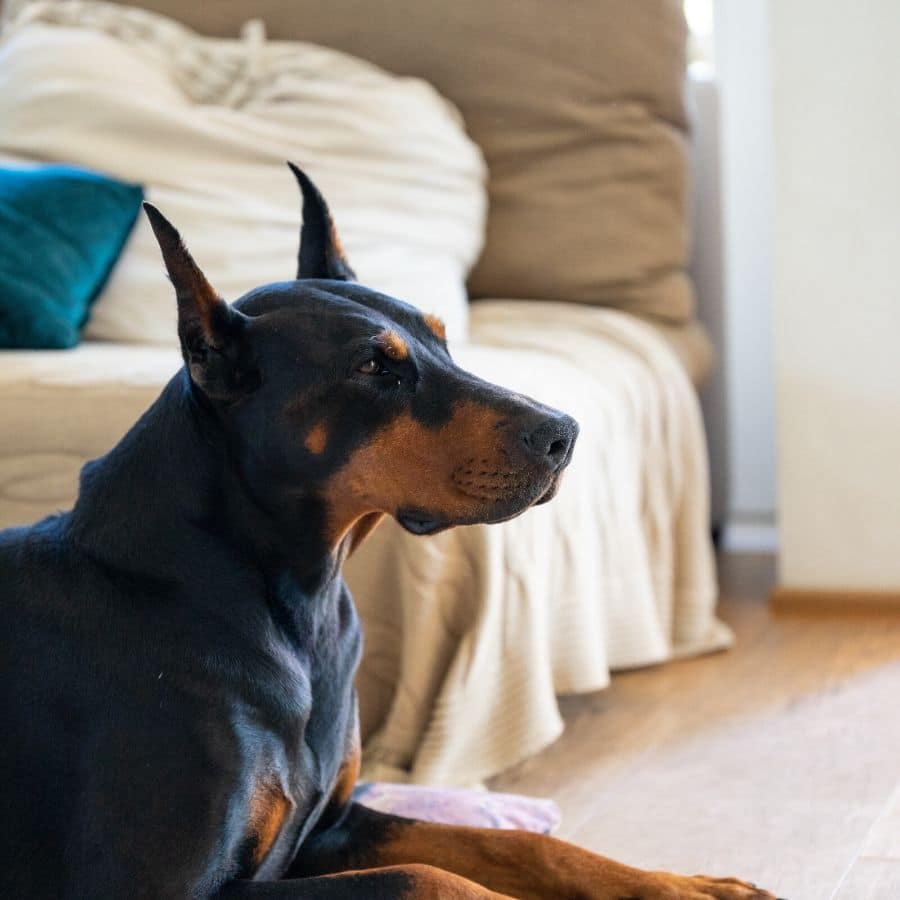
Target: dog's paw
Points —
{"points": [[702, 887]]}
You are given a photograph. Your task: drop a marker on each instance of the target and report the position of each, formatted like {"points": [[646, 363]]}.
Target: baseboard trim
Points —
{"points": [[784, 599]]}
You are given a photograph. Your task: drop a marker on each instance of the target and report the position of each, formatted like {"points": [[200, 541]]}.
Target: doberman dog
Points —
{"points": [[178, 651]]}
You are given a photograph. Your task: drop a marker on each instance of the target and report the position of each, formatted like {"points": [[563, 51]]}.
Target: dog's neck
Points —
{"points": [[169, 494]]}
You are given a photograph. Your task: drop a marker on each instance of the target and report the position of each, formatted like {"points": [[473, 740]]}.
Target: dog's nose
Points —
{"points": [[551, 441]]}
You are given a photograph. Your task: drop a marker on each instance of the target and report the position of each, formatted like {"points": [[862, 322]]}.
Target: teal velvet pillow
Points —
{"points": [[61, 232]]}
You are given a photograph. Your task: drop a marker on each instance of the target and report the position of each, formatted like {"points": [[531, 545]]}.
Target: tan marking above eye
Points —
{"points": [[317, 439], [392, 345], [436, 326]]}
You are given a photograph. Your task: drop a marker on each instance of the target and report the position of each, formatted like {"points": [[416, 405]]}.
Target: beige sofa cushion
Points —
{"points": [[578, 108], [691, 344], [206, 124]]}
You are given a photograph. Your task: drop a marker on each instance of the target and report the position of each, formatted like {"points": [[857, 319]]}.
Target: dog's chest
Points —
{"points": [[291, 788]]}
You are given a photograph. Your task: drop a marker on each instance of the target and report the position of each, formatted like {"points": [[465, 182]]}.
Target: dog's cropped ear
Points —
{"points": [[209, 329], [321, 254]]}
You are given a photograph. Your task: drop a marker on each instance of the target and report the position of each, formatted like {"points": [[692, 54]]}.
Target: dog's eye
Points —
{"points": [[371, 367], [377, 370]]}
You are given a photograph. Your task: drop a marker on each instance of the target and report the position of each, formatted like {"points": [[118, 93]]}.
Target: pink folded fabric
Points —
{"points": [[458, 806]]}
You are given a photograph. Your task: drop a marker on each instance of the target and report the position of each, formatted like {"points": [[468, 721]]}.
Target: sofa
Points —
{"points": [[568, 280]]}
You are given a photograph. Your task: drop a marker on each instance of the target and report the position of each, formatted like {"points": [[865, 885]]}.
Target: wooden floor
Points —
{"points": [[776, 761]]}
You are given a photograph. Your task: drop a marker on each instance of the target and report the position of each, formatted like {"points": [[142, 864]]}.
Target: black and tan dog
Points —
{"points": [[178, 651]]}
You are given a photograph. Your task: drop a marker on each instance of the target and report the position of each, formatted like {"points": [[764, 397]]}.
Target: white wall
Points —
{"points": [[836, 103], [742, 43]]}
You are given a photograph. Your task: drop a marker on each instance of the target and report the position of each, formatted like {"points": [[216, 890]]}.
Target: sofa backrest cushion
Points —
{"points": [[578, 107], [206, 125]]}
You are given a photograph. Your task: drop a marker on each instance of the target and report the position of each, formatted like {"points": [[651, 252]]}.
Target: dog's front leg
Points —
{"points": [[412, 882], [518, 863]]}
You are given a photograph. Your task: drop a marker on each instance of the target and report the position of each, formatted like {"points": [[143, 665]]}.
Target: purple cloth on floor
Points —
{"points": [[458, 806]]}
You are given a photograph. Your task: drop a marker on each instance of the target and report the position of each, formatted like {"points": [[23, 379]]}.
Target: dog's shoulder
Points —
{"points": [[35, 561]]}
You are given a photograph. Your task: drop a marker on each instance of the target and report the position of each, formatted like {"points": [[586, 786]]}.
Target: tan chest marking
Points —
{"points": [[346, 779], [269, 809], [344, 784]]}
